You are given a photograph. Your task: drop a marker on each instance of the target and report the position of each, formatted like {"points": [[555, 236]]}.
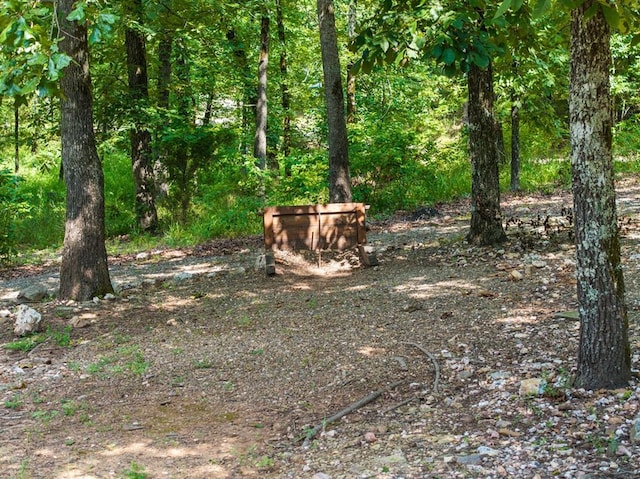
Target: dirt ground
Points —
{"points": [[225, 372]]}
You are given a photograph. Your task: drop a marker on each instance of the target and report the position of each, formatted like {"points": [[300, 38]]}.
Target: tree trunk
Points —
{"points": [[84, 272], [486, 217], [351, 77], [515, 146], [140, 135], [284, 88], [16, 137], [183, 161], [260, 139], [604, 359], [339, 178], [164, 72], [248, 95]]}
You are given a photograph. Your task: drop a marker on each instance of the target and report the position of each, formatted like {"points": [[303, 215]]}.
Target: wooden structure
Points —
{"points": [[334, 226]]}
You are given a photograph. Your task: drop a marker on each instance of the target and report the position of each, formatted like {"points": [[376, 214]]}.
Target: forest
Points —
{"points": [[195, 111], [166, 125]]}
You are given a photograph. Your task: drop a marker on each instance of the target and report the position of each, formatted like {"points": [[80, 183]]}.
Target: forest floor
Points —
{"points": [[204, 367]]}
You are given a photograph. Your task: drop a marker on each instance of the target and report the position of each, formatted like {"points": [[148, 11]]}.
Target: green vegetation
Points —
{"points": [[135, 471], [126, 358], [61, 337]]}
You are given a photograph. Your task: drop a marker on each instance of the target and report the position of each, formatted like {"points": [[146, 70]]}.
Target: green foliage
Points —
{"points": [[12, 207], [135, 471]]}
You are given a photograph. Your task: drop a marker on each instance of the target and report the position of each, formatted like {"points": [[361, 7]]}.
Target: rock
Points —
{"points": [[370, 437], [500, 375], [320, 475], [634, 431], [109, 297], [32, 293], [5, 313], [532, 387], [184, 276], [464, 375], [27, 320], [538, 264], [516, 275], [470, 460], [79, 322], [487, 451]]}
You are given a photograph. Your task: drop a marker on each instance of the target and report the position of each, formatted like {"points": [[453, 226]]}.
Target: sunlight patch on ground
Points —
{"points": [[420, 287], [371, 351]]}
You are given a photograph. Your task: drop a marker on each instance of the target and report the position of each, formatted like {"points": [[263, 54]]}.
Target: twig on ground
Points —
{"points": [[349, 409], [436, 381], [399, 405]]}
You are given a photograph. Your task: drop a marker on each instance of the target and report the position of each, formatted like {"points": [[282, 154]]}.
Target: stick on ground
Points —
{"points": [[349, 409], [436, 366]]}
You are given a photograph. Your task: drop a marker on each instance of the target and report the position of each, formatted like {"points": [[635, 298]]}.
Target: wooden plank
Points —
{"points": [[336, 226]]}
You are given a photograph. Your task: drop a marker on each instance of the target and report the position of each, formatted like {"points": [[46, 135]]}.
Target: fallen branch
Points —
{"points": [[399, 405], [349, 409], [436, 366]]}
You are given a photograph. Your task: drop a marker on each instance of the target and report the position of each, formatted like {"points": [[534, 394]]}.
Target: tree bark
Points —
{"points": [[16, 137], [260, 139], [284, 87], [351, 77], [339, 176], [515, 146], [84, 272], [486, 217], [140, 135], [604, 359]]}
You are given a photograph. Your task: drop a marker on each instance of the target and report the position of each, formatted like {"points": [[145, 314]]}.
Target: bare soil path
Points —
{"points": [[221, 372]]}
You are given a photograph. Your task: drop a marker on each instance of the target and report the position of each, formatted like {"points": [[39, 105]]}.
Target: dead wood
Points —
{"points": [[349, 409], [436, 366]]}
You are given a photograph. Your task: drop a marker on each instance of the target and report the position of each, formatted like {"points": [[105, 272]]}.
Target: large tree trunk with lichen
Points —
{"points": [[83, 272], [486, 217], [140, 134], [339, 176], [604, 354]]}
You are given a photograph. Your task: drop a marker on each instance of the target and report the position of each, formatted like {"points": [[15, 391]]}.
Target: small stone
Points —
{"points": [[321, 475], [27, 320], [516, 275], [32, 293], [370, 437], [634, 431], [184, 276], [487, 451], [532, 387], [79, 322], [172, 322], [509, 433], [470, 460], [109, 297], [463, 375], [5, 313], [538, 264]]}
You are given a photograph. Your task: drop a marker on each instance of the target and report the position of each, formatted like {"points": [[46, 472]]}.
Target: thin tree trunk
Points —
{"points": [[140, 135], [604, 359], [165, 48], [260, 139], [206, 118], [486, 217], [515, 146], [351, 77], [16, 137], [284, 88], [248, 96], [339, 176], [183, 161], [83, 272]]}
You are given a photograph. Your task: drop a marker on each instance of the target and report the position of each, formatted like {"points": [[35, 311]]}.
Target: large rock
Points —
{"points": [[33, 293], [27, 320]]}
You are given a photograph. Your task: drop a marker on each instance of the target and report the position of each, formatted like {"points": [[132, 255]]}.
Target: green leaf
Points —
{"points": [[448, 56], [77, 14], [542, 6], [506, 4], [613, 18]]}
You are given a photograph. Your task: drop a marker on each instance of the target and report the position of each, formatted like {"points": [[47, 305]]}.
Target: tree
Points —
{"points": [[339, 177], [140, 134], [604, 354], [486, 217], [83, 272], [260, 140], [284, 86]]}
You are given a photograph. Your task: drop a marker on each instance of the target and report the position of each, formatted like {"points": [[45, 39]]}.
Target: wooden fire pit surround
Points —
{"points": [[334, 226]]}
